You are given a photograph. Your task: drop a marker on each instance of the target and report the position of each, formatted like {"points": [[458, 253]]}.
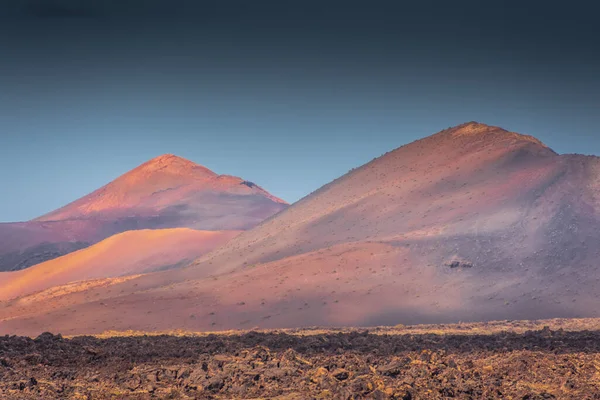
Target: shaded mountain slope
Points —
{"points": [[127, 253]]}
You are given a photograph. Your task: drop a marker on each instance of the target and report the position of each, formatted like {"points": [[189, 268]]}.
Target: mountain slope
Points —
{"points": [[164, 186], [127, 253], [165, 192], [472, 223]]}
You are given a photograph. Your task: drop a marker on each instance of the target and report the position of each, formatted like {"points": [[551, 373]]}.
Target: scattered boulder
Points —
{"points": [[459, 264], [340, 374]]}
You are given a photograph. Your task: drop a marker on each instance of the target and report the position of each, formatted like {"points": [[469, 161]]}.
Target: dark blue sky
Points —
{"points": [[287, 94]]}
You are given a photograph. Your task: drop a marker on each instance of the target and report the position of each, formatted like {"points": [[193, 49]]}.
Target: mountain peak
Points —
{"points": [[478, 129], [173, 164], [166, 158], [474, 127], [157, 185]]}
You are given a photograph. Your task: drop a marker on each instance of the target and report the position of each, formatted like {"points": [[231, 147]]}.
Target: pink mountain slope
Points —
{"points": [[165, 192], [127, 253], [472, 223], [163, 187]]}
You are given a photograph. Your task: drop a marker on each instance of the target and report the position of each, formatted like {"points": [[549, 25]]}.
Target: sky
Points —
{"points": [[287, 94]]}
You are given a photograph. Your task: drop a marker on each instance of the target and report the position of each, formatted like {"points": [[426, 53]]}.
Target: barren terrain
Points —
{"points": [[127, 253], [474, 223], [165, 192], [523, 360]]}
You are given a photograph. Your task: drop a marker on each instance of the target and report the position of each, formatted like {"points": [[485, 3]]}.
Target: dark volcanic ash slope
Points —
{"points": [[165, 192], [472, 223]]}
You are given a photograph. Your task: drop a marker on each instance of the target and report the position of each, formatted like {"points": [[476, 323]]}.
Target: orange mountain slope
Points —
{"points": [[164, 184], [127, 253], [165, 192], [472, 223]]}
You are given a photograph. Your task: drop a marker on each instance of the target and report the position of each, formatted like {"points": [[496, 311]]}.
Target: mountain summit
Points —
{"points": [[172, 164], [478, 131], [159, 186]]}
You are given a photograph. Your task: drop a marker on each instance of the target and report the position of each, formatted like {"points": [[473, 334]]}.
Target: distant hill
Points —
{"points": [[165, 192], [123, 254]]}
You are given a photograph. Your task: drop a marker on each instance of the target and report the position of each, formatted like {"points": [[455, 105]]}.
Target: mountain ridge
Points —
{"points": [[161, 174], [165, 192], [487, 225]]}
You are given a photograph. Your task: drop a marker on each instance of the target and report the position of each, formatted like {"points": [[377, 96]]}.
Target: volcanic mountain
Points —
{"points": [[472, 223], [165, 192]]}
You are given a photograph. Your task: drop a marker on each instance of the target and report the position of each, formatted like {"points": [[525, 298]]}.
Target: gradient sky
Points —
{"points": [[288, 94]]}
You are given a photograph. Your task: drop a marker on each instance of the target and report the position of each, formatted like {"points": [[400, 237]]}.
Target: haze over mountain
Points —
{"points": [[472, 223], [165, 192]]}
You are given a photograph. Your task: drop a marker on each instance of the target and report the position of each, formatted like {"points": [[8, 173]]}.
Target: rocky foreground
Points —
{"points": [[352, 364]]}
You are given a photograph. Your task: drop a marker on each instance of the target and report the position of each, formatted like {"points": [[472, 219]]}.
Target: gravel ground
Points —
{"points": [[540, 364]]}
